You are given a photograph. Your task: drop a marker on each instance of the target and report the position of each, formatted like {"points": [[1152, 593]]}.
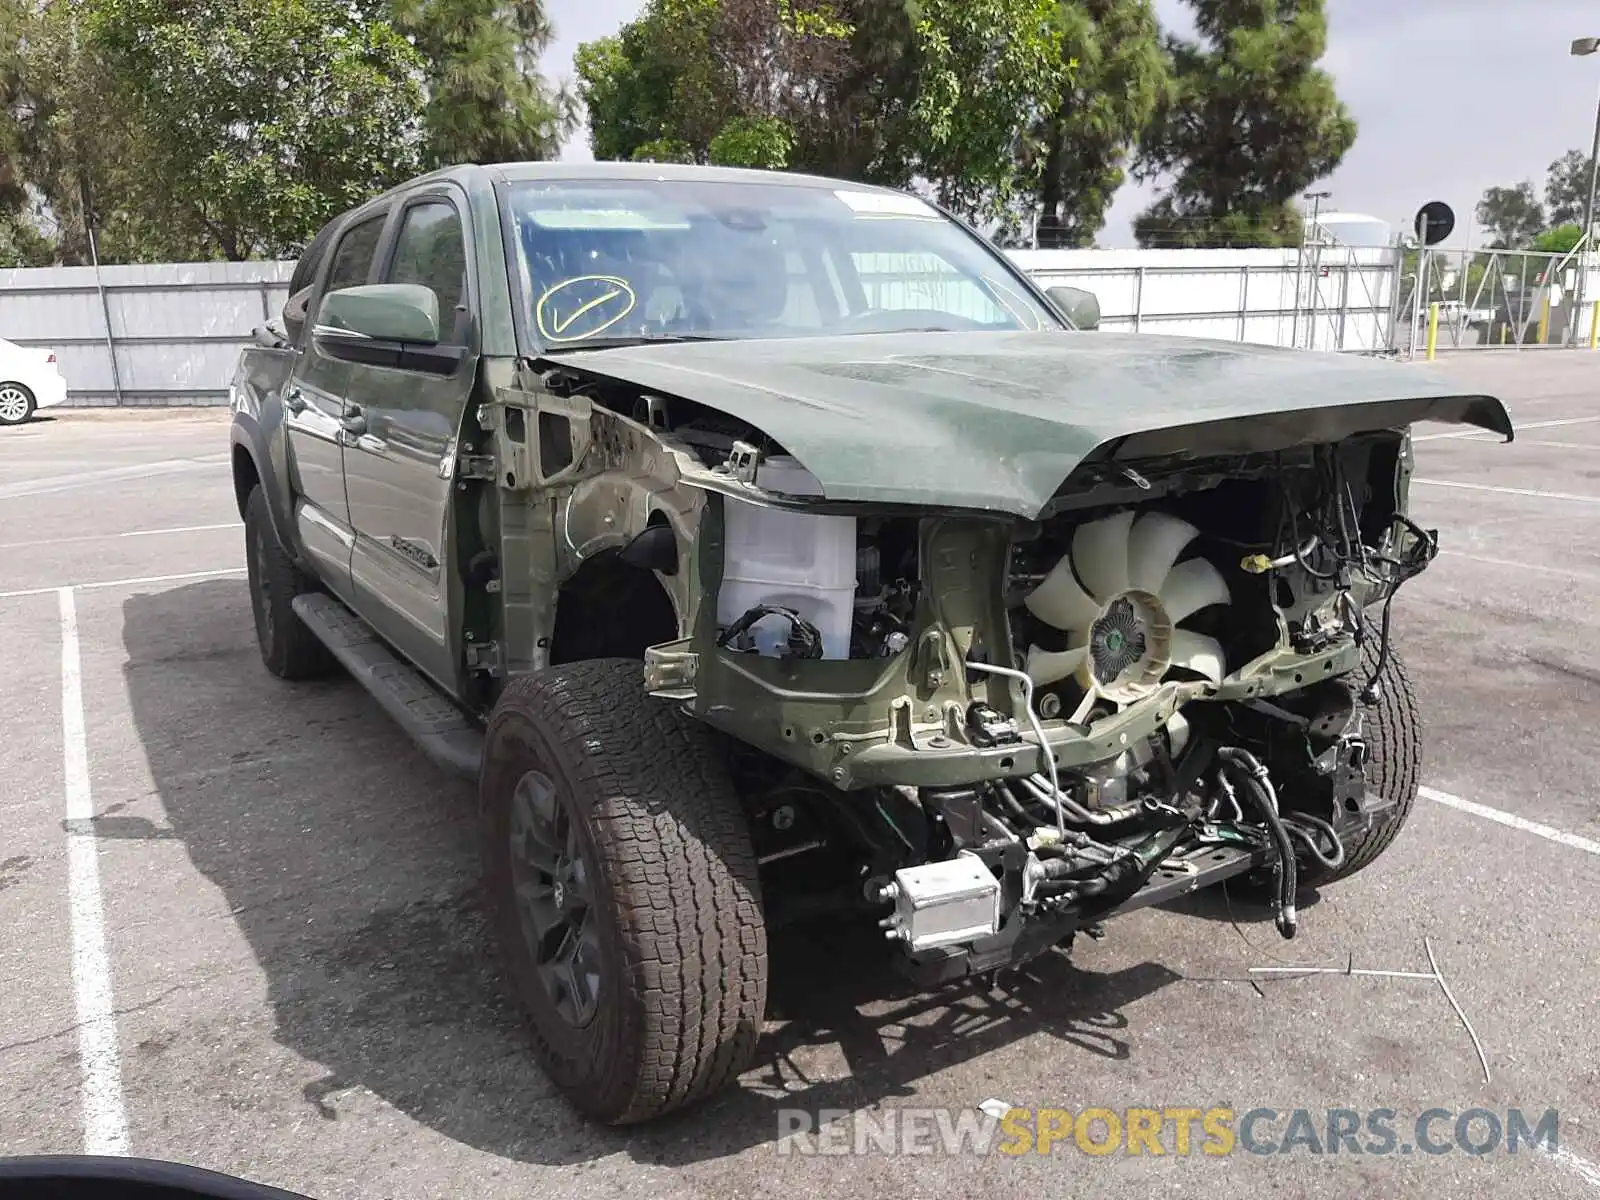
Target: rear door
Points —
{"points": [[400, 465], [313, 407]]}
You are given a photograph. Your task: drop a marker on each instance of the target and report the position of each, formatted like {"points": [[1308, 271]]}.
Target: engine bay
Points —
{"points": [[1109, 610], [989, 733]]}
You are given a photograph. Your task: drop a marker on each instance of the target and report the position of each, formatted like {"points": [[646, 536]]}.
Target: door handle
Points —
{"points": [[294, 401], [353, 422]]}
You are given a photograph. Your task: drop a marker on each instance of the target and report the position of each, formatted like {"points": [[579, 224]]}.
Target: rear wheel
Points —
{"points": [[288, 648], [16, 404], [624, 890]]}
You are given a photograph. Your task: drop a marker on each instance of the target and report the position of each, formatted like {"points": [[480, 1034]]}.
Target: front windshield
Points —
{"points": [[608, 260]]}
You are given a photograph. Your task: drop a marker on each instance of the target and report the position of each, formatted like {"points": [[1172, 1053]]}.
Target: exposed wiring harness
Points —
{"points": [[1256, 784]]}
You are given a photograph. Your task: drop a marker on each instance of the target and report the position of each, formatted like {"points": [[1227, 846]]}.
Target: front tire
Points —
{"points": [[1393, 729], [288, 648], [17, 404], [623, 886]]}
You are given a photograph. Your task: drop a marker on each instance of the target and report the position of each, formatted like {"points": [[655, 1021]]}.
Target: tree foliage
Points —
{"points": [[942, 91], [751, 76], [1512, 216], [1118, 78], [263, 120], [1566, 188], [234, 129], [1251, 121], [1559, 239], [486, 101]]}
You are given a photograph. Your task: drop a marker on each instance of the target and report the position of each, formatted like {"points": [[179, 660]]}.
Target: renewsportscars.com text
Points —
{"points": [[1179, 1131]]}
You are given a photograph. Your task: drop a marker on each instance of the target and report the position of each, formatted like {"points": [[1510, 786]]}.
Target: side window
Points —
{"points": [[353, 259], [301, 284], [431, 251]]}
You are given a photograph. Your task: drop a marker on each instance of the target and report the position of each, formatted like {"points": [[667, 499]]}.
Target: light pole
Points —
{"points": [[1582, 47], [1316, 199]]}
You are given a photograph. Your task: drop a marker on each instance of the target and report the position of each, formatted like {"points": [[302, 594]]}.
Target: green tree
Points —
{"points": [[486, 101], [1512, 215], [943, 91], [1118, 77], [1561, 239], [749, 77], [1566, 188], [255, 121], [1250, 123], [988, 70]]}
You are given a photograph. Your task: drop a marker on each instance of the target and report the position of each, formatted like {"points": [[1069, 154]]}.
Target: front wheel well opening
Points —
{"points": [[609, 609], [245, 477]]}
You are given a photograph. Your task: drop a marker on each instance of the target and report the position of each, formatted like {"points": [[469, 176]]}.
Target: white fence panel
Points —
{"points": [[176, 329]]}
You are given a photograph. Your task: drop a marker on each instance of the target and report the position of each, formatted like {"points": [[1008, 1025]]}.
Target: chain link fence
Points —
{"points": [[1488, 299]]}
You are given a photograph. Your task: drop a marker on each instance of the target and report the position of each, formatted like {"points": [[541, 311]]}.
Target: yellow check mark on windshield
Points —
{"points": [[562, 325]]}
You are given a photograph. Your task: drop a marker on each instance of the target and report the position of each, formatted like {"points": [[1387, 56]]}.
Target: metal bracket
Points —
{"points": [[485, 658], [743, 460], [475, 466], [670, 670]]}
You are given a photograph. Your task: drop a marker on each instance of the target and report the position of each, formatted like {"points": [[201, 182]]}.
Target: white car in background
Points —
{"points": [[29, 381]]}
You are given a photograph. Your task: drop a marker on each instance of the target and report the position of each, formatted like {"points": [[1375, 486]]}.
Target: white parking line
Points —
{"points": [[1481, 433], [65, 483], [1509, 491], [132, 533], [1592, 447], [1511, 820], [113, 583], [1516, 564], [105, 1121], [1581, 1167]]}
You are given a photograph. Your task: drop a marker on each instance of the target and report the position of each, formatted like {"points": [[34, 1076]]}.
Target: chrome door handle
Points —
{"points": [[294, 401]]}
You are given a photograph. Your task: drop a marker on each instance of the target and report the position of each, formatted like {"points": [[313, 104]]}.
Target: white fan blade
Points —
{"points": [[1153, 546], [1052, 666], [1100, 555], [1197, 652], [1190, 587], [1177, 733], [1060, 602]]}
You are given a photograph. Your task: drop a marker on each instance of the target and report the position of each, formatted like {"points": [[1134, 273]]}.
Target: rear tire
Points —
{"points": [[1393, 730], [623, 886], [17, 404], [288, 648]]}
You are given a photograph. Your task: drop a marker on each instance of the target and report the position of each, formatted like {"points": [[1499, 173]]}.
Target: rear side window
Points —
{"points": [[431, 251], [352, 261]]}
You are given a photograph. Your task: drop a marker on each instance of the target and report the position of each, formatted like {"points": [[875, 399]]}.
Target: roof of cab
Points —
{"points": [[664, 172]]}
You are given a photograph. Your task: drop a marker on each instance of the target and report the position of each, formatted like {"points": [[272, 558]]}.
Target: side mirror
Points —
{"points": [[1079, 307], [379, 312]]}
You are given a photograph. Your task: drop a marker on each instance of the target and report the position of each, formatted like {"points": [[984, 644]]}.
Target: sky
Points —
{"points": [[1450, 96]]}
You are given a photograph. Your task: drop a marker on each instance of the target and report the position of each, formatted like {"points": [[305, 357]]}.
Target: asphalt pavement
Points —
{"points": [[240, 924]]}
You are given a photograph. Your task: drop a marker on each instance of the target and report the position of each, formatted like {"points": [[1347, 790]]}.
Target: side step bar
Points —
{"points": [[443, 732]]}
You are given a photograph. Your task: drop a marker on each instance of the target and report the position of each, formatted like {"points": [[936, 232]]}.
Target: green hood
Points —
{"points": [[998, 421]]}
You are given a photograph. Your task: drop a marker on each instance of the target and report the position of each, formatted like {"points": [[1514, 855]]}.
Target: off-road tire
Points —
{"points": [[673, 880], [1393, 730], [288, 648], [29, 404]]}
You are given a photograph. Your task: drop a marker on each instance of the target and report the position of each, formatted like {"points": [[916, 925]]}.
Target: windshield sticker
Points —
{"points": [[583, 307], [886, 204]]}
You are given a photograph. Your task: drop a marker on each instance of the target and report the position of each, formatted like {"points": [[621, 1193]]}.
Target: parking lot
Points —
{"points": [[239, 920]]}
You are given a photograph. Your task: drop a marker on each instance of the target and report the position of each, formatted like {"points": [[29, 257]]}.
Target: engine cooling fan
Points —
{"points": [[1120, 596]]}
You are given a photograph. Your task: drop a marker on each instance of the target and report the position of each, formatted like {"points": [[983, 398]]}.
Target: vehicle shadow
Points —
{"points": [[350, 868]]}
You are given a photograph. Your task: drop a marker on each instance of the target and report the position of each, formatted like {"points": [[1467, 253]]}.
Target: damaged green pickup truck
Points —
{"points": [[768, 548]]}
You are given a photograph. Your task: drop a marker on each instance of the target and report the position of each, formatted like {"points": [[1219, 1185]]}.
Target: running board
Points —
{"points": [[443, 732]]}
